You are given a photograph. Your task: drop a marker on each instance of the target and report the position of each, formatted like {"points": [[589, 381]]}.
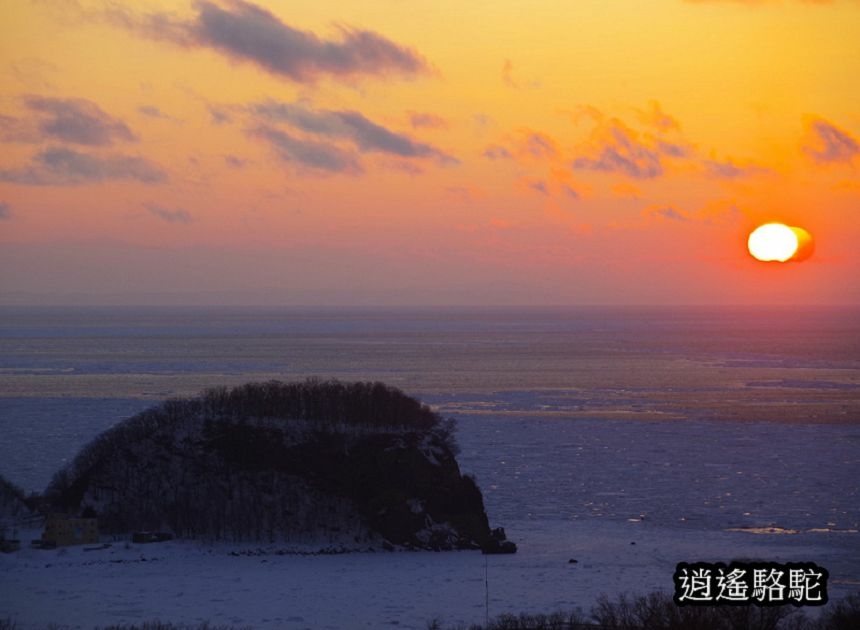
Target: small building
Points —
{"points": [[63, 530]]}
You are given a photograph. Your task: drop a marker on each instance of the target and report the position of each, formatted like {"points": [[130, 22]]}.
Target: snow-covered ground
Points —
{"points": [[188, 583]]}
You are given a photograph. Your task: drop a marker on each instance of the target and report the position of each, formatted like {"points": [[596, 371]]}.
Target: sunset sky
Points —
{"points": [[412, 152]]}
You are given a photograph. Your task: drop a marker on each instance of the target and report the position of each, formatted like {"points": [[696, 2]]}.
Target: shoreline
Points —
{"points": [[190, 582]]}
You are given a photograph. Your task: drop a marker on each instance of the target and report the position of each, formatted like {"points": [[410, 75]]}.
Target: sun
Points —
{"points": [[772, 242], [776, 242]]}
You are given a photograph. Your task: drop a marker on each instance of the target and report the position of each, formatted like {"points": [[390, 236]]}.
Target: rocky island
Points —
{"points": [[356, 465]]}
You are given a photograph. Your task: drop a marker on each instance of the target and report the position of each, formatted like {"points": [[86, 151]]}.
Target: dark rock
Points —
{"points": [[493, 546], [498, 542]]}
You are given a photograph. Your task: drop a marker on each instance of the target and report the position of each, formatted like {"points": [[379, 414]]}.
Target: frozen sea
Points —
{"points": [[628, 439]]}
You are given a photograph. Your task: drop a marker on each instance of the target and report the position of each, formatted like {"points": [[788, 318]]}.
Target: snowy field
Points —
{"points": [[188, 583]]}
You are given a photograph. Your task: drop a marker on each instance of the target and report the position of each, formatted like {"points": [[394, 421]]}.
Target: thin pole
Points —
{"points": [[486, 592]]}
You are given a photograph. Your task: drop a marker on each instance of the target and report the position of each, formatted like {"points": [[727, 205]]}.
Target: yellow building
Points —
{"points": [[63, 530]]}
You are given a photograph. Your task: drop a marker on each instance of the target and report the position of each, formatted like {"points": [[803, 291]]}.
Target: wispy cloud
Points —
{"points": [[570, 192], [317, 156], [825, 143], [674, 149], [538, 186], [5, 211], [729, 169], [244, 31], [497, 152], [372, 137], [507, 72], [71, 120], [14, 129], [170, 216], [220, 115], [365, 134], [539, 145], [235, 162], [669, 213], [654, 116], [526, 146], [154, 112], [712, 213], [425, 120], [509, 80], [619, 149], [59, 166], [643, 151]]}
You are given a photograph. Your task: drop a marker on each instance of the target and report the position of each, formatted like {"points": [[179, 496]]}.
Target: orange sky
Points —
{"points": [[395, 152]]}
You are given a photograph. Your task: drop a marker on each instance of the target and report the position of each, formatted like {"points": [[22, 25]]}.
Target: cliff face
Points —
{"points": [[354, 465]]}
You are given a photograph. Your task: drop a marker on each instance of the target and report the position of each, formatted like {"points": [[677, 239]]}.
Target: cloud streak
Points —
{"points": [[235, 162], [179, 215], [497, 152], [509, 80], [58, 166], [246, 32], [538, 186], [570, 192], [619, 150], [372, 137], [645, 152], [826, 143], [317, 156], [353, 126], [654, 116], [152, 111], [728, 169], [17, 130], [426, 120], [669, 213], [71, 120], [539, 146], [5, 213]]}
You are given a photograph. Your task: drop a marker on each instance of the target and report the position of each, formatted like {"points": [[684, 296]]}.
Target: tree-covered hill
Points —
{"points": [[16, 509], [355, 464]]}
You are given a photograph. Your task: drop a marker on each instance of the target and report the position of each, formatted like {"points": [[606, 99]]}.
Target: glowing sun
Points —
{"points": [[775, 242]]}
